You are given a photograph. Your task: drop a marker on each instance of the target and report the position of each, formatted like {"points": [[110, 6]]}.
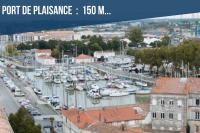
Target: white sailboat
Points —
{"points": [[119, 94], [138, 83]]}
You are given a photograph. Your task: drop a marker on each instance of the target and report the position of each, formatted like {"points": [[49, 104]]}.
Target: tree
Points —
{"points": [[11, 50], [114, 44], [166, 40], [56, 52], [23, 122], [136, 36]]}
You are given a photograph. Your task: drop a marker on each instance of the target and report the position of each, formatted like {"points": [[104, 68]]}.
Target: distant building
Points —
{"points": [[82, 58], [103, 55], [46, 36], [76, 120], [42, 52], [175, 105], [44, 57]]}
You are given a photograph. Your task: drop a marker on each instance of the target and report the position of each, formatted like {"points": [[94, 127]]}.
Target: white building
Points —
{"points": [[46, 36], [46, 60], [44, 57], [103, 54], [82, 58]]}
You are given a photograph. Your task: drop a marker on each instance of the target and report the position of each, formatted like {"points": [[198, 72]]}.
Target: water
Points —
{"points": [[79, 98]]}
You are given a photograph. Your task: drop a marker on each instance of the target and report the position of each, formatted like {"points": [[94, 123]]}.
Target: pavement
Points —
{"points": [[7, 100], [11, 105], [34, 99]]}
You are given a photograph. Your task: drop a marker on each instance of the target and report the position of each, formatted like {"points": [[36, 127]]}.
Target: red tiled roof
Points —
{"points": [[176, 86], [43, 50], [105, 115], [83, 56], [106, 128], [45, 57], [165, 85], [84, 121], [193, 85]]}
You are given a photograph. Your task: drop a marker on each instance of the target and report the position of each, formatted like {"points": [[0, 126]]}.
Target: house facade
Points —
{"points": [[82, 58], [175, 105], [44, 57]]}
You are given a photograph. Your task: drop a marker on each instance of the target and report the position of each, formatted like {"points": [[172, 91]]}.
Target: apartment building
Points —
{"points": [[169, 104], [193, 110], [175, 105]]}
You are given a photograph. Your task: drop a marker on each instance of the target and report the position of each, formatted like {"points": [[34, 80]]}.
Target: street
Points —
{"points": [[7, 100]]}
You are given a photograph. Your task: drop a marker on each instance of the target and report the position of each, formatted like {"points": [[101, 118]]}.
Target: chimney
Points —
{"points": [[123, 127], [78, 116], [99, 116]]}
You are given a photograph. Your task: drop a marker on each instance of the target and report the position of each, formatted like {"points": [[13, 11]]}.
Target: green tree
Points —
{"points": [[114, 44], [11, 50], [56, 52], [166, 41], [23, 122], [136, 36]]}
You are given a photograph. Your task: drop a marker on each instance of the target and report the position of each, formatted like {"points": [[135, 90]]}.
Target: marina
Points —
{"points": [[84, 87]]}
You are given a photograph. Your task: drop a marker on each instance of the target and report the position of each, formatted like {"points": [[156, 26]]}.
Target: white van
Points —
{"points": [[19, 93]]}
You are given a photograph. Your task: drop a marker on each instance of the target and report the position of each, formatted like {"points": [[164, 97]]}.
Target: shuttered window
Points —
{"points": [[162, 115]]}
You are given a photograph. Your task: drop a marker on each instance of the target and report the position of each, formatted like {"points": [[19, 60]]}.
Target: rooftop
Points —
{"points": [[45, 57], [43, 50], [169, 86], [86, 118], [181, 86], [105, 128], [4, 124], [83, 56], [194, 85]]}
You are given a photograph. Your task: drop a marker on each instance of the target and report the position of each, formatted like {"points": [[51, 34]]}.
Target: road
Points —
{"points": [[23, 85], [7, 100]]}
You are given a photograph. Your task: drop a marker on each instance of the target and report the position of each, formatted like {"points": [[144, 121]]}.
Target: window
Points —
{"points": [[179, 116], [154, 102], [179, 103], [197, 115], [162, 102], [171, 115], [197, 102], [162, 115], [171, 102], [154, 115]]}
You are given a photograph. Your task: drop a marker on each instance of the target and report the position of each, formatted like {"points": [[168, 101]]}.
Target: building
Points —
{"points": [[175, 105], [46, 60], [42, 52], [169, 104], [44, 57], [86, 121], [122, 61], [4, 123], [46, 36], [193, 114], [82, 58], [103, 55]]}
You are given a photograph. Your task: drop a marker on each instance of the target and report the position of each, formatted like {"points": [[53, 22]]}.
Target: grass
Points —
{"points": [[142, 98]]}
